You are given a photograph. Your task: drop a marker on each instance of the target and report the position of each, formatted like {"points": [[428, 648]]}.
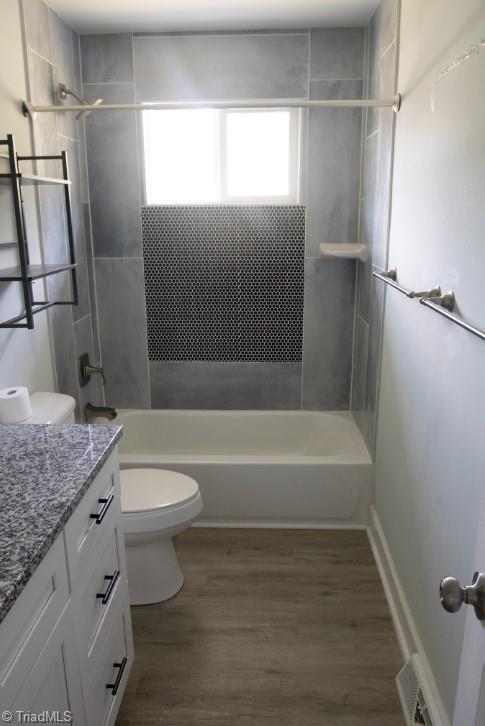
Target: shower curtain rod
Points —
{"points": [[29, 109]]}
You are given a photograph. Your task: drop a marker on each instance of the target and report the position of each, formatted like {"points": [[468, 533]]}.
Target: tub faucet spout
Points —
{"points": [[91, 412]]}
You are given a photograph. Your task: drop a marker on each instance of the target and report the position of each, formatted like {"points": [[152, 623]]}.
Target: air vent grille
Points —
{"points": [[412, 697]]}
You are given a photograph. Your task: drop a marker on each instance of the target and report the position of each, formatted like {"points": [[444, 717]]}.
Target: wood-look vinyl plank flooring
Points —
{"points": [[272, 627]]}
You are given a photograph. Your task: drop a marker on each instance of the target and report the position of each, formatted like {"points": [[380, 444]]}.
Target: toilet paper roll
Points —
{"points": [[100, 420], [15, 405]]}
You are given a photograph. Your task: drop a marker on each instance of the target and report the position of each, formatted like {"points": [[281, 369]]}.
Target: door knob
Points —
{"points": [[453, 595]]}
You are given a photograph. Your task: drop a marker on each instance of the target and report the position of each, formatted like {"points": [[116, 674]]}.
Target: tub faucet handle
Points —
{"points": [[90, 370], [87, 370]]}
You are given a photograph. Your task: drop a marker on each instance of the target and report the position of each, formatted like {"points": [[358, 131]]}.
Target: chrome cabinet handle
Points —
{"points": [[115, 686], [105, 596], [99, 516], [453, 595]]}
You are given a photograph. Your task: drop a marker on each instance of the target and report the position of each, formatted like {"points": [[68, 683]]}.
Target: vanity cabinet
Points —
{"points": [[66, 644]]}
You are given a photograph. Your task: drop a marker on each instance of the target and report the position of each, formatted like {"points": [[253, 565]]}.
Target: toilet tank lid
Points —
{"points": [[48, 407]]}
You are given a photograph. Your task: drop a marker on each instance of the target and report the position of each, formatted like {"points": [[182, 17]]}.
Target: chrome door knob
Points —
{"points": [[453, 595]]}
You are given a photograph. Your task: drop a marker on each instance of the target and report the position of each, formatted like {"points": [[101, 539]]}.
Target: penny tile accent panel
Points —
{"points": [[224, 283]]}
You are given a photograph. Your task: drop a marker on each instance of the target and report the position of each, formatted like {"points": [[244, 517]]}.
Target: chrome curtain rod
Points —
{"points": [[30, 109], [432, 299]]}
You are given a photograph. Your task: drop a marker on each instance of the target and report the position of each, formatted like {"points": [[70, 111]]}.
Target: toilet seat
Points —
{"points": [[157, 499], [143, 490]]}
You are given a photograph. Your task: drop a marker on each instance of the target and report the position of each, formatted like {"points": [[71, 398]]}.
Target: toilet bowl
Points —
{"points": [[157, 505]]}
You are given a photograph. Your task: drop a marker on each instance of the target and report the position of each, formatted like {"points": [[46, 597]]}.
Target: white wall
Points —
{"points": [[25, 355], [430, 465]]}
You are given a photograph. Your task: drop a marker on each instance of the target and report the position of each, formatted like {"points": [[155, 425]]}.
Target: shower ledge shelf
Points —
{"points": [[342, 250]]}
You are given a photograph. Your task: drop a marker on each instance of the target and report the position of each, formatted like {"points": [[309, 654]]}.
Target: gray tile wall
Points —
{"points": [[317, 64], [114, 182], [122, 321], [380, 81], [225, 385], [328, 325], [261, 65], [53, 56]]}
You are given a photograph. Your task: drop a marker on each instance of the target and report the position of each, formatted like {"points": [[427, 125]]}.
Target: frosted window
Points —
{"points": [[258, 154], [181, 156], [221, 156]]}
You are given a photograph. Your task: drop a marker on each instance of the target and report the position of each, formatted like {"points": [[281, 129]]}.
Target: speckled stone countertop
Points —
{"points": [[44, 472]]}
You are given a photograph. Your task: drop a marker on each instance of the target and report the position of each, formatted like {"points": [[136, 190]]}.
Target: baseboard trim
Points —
{"points": [[275, 524], [404, 624]]}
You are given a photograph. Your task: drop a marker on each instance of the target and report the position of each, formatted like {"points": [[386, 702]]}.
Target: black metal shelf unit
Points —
{"points": [[24, 272]]}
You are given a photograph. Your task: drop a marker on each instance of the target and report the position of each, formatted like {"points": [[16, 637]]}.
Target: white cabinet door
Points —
{"points": [[54, 683], [470, 699]]}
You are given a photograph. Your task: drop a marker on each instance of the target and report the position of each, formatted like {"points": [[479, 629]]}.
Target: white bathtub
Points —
{"points": [[259, 468]]}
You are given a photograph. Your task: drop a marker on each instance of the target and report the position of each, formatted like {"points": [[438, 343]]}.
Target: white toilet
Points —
{"points": [[51, 408], [157, 505]]}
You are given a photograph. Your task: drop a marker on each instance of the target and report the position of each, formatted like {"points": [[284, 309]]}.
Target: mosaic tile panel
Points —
{"points": [[224, 283]]}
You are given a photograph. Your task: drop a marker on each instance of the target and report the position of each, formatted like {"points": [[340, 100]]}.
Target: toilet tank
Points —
{"points": [[51, 408]]}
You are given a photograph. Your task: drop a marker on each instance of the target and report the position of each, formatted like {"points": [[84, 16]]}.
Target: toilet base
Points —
{"points": [[154, 574]]}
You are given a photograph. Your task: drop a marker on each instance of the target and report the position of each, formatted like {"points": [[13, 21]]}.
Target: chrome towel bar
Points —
{"points": [[390, 278], [432, 299], [443, 309]]}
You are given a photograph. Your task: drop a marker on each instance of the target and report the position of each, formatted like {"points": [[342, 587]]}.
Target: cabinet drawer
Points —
{"points": [[28, 625], [93, 520], [110, 673], [98, 595]]}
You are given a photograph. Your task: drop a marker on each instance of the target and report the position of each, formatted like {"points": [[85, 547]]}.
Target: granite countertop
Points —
{"points": [[44, 472]]}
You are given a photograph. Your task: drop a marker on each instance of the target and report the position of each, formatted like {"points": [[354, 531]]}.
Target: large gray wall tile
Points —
{"points": [[328, 333], [335, 89], [107, 58], [41, 92], [334, 149], [113, 171], [64, 45], [336, 53], [121, 298], [53, 227], [36, 22], [221, 385], [221, 66]]}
